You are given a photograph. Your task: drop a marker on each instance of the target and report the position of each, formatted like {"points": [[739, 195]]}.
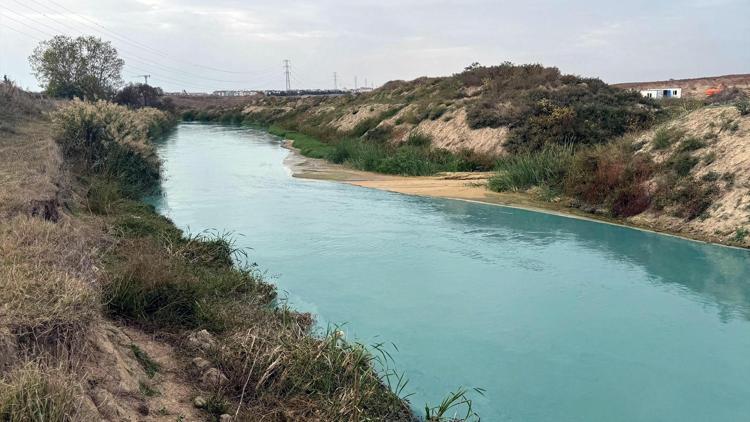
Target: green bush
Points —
{"points": [[611, 176], [112, 141], [743, 107], [691, 143], [547, 166], [666, 137], [682, 163], [418, 139], [542, 106]]}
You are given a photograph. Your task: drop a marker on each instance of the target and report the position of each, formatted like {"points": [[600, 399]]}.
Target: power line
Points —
{"points": [[126, 54], [141, 45]]}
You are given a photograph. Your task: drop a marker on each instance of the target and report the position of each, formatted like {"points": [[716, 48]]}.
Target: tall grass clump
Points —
{"points": [[47, 301], [113, 142], [328, 377], [546, 167], [36, 393], [178, 286]]}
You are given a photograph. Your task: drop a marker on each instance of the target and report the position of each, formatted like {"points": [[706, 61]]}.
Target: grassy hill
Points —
{"points": [[560, 137]]}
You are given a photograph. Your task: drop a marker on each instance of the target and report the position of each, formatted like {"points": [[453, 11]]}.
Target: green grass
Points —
{"points": [[308, 145], [536, 168], [691, 143], [148, 364], [666, 137]]}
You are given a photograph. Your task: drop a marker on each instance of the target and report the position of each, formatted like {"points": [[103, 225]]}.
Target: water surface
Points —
{"points": [[557, 318]]}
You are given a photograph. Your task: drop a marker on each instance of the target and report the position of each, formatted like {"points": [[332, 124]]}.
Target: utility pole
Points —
{"points": [[287, 67], [335, 81], [145, 78]]}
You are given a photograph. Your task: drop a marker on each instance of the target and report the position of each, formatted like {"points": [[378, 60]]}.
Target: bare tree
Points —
{"points": [[85, 67]]}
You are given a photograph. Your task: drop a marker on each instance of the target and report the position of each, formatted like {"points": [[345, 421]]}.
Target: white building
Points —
{"points": [[659, 93]]}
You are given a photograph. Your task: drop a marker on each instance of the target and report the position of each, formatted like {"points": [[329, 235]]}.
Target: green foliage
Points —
{"points": [[691, 198], [691, 143], [171, 287], [740, 235], [743, 107], [148, 364], [666, 137], [458, 399], [418, 139], [84, 67], [682, 163], [407, 159], [113, 142], [611, 176], [546, 167], [542, 106]]}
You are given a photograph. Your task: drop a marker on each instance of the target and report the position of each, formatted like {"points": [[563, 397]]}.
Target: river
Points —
{"points": [[556, 318]]}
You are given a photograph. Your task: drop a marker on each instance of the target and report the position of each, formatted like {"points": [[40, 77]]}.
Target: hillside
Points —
{"points": [[694, 87], [676, 166]]}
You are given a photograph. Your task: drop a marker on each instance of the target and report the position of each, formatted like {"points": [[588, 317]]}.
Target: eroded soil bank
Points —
{"points": [[465, 186]]}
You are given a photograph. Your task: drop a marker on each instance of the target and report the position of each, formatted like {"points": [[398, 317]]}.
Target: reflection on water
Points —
{"points": [[557, 318], [714, 274]]}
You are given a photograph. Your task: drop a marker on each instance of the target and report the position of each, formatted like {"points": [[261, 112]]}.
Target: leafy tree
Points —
{"points": [[85, 67], [142, 95]]}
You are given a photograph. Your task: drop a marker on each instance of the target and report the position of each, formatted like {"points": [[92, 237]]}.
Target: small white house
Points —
{"points": [[659, 93]]}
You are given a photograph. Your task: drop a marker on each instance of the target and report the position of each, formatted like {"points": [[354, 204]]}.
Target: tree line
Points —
{"points": [[89, 68]]}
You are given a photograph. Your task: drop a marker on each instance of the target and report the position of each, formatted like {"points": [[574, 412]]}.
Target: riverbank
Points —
{"points": [[108, 311], [466, 186]]}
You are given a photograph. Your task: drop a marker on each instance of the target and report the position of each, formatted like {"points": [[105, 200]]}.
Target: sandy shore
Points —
{"points": [[465, 186]]}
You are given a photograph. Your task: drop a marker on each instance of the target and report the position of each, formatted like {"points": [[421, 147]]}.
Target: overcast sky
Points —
{"points": [[224, 44]]}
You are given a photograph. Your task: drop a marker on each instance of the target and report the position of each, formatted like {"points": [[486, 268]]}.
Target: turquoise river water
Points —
{"points": [[558, 319]]}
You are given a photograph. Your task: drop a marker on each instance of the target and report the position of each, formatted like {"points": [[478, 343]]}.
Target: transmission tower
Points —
{"points": [[145, 78], [287, 72], [335, 81]]}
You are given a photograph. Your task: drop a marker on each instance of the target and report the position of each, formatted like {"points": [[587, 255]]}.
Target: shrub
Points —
{"points": [[691, 143], [111, 141], [611, 176], [666, 137], [541, 106], [418, 139], [743, 107], [682, 163], [534, 168], [436, 112], [692, 198], [379, 133]]}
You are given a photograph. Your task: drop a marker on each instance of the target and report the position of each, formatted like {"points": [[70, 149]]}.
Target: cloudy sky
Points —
{"points": [[223, 44]]}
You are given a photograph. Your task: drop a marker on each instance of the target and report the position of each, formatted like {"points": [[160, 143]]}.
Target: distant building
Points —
{"points": [[235, 93], [659, 93]]}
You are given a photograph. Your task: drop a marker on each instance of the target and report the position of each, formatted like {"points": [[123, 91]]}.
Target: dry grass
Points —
{"points": [[47, 296], [278, 371], [36, 393], [31, 174]]}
